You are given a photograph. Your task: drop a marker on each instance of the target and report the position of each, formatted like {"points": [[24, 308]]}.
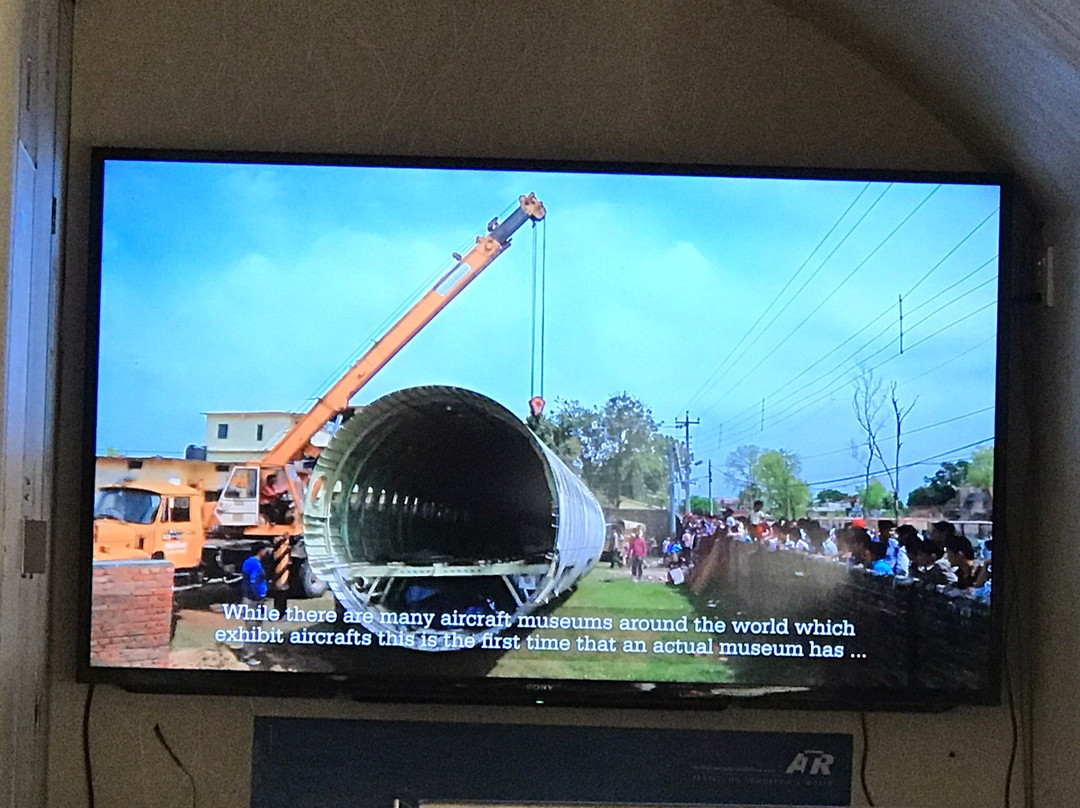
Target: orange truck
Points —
{"points": [[207, 535], [150, 519]]}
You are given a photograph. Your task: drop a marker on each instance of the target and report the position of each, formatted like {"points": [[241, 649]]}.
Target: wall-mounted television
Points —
{"points": [[532, 432]]}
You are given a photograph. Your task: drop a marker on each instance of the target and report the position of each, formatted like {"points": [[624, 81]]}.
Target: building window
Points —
{"points": [[258, 432], [222, 431]]}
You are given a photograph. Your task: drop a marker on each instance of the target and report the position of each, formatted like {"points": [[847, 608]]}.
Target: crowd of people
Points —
{"points": [[939, 556]]}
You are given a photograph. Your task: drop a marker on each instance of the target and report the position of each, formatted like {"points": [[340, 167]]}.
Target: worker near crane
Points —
{"points": [[272, 503], [252, 593]]}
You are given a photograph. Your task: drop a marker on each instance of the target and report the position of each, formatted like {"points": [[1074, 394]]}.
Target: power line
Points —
{"points": [[952, 286], [824, 394], [746, 415], [828, 297], [806, 283], [890, 440], [780, 294], [950, 360], [842, 368], [933, 269], [885, 329], [925, 460], [686, 423]]}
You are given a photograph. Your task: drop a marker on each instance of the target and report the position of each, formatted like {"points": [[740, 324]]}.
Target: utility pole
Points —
{"points": [[710, 488], [686, 423], [672, 488]]}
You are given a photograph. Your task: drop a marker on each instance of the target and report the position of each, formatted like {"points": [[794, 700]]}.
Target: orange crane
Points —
{"points": [[262, 499]]}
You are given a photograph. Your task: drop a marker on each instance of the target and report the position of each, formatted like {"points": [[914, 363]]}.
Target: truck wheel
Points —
{"points": [[313, 586]]}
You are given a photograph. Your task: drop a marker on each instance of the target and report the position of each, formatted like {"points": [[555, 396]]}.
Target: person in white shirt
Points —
{"points": [[757, 520], [828, 547]]}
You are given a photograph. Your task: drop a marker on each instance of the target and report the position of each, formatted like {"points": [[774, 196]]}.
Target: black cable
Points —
{"points": [[1011, 593], [88, 770], [863, 760], [960, 355], [179, 764], [1015, 743]]}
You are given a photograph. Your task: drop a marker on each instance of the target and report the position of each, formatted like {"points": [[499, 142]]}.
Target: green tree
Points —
{"points": [[980, 473], [875, 497], [941, 488], [617, 449], [626, 438], [565, 430], [700, 505], [831, 495], [739, 472], [785, 495]]}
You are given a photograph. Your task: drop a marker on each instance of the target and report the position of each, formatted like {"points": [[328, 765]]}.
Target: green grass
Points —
{"points": [[608, 593]]}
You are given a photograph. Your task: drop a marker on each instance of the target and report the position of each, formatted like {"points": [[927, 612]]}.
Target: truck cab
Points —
{"points": [[148, 519]]}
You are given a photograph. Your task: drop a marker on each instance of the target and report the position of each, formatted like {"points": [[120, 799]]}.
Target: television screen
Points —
{"points": [[529, 432]]}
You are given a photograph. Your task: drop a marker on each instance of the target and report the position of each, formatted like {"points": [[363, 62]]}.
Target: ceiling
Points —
{"points": [[1004, 75]]}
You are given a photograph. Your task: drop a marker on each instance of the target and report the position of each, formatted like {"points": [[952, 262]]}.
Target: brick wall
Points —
{"points": [[912, 634], [131, 621]]}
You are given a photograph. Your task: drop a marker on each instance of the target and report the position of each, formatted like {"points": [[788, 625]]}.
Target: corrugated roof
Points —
{"points": [[155, 487]]}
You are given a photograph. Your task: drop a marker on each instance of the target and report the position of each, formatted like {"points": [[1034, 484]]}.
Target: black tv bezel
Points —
{"points": [[519, 691]]}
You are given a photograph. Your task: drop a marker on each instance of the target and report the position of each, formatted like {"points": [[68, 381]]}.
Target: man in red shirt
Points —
{"points": [[272, 502], [637, 550]]}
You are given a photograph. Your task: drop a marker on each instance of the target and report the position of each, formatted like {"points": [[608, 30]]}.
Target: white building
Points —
{"points": [[235, 437]]}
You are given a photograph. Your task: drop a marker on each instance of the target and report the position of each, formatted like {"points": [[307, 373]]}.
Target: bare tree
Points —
{"points": [[901, 413], [868, 401]]}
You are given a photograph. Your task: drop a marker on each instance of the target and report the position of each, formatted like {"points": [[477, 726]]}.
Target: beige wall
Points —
{"points": [[30, 175], [1050, 384], [727, 82]]}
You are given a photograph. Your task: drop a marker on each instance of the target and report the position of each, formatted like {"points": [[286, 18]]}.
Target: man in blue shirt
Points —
{"points": [[252, 593], [253, 584]]}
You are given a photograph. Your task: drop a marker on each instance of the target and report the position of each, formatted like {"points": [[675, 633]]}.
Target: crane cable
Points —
{"points": [[539, 295], [532, 335], [543, 302]]}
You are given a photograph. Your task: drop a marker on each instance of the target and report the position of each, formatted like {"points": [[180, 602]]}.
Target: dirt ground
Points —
{"points": [[194, 647]]}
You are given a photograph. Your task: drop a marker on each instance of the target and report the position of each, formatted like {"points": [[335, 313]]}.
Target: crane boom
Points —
{"points": [[468, 267]]}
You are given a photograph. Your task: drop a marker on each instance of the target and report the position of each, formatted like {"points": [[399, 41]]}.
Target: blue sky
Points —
{"points": [[246, 287]]}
